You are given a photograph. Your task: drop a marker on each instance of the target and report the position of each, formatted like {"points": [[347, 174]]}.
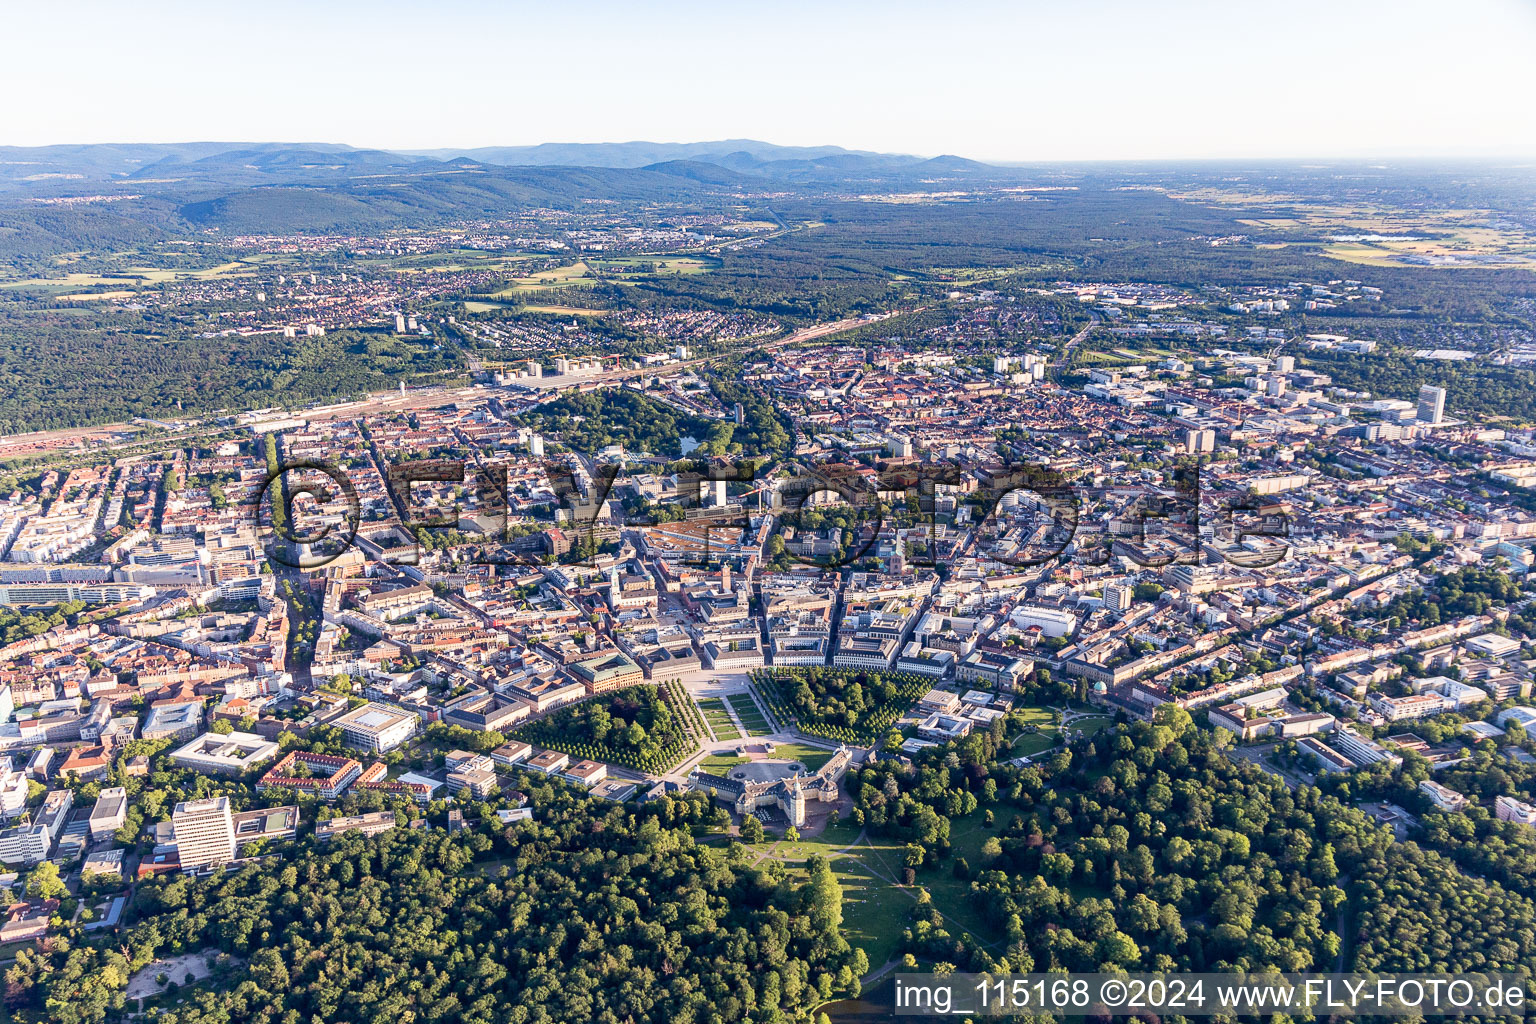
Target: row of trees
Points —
{"points": [[847, 706], [633, 727]]}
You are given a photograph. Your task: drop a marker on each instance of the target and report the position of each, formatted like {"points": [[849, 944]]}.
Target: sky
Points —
{"points": [[1020, 81]]}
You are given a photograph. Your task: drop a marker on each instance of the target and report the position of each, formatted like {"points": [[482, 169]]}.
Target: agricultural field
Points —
{"points": [[584, 273], [1377, 236], [578, 273]]}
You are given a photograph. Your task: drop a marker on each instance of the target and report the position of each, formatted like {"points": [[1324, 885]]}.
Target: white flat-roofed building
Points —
{"points": [[25, 845], [1443, 797], [1507, 808], [467, 760], [1459, 695], [1493, 645], [13, 790], [205, 833], [511, 753], [1482, 731], [587, 773], [417, 779], [369, 824], [104, 862], [1521, 713], [1360, 750], [110, 812], [925, 661], [944, 728], [1324, 756], [225, 754], [376, 727], [1052, 621], [476, 780], [1409, 708]]}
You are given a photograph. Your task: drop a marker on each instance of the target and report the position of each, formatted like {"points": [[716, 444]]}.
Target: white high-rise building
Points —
{"points": [[1431, 404], [1199, 441], [1286, 364], [1117, 596], [205, 833], [399, 323], [13, 790]]}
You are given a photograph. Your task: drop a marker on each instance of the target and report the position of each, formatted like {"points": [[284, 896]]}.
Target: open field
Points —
{"points": [[557, 277], [1437, 238], [876, 907], [583, 273], [154, 275], [1092, 726], [653, 265], [76, 280], [1030, 743], [566, 310], [812, 757], [131, 277], [1419, 252], [874, 912], [720, 764], [95, 296]]}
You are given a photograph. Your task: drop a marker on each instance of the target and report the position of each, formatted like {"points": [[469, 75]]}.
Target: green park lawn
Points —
{"points": [[720, 764], [747, 710], [719, 719]]}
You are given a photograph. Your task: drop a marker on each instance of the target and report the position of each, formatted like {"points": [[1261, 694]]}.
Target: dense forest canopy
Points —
{"points": [[591, 912], [1144, 847], [591, 421]]}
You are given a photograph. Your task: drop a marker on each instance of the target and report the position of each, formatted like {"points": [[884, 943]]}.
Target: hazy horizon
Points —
{"points": [[1000, 83], [1515, 159]]}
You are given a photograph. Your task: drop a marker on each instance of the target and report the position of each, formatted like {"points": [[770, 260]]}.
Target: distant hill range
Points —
{"points": [[241, 162], [61, 198]]}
